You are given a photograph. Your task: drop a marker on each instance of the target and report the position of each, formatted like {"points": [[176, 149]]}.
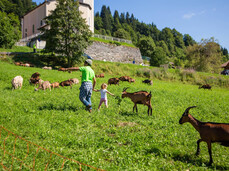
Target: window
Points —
{"points": [[33, 29], [41, 22]]}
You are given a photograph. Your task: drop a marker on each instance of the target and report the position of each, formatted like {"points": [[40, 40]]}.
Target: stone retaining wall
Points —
{"points": [[114, 53]]}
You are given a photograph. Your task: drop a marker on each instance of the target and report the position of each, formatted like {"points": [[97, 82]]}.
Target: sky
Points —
{"points": [[201, 19]]}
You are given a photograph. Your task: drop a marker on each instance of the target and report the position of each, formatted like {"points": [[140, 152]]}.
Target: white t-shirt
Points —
{"points": [[103, 93]]}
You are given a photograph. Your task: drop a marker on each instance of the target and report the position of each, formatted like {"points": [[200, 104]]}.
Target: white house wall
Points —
{"points": [[36, 16]]}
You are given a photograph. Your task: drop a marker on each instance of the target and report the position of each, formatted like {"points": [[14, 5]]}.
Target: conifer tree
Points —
{"points": [[68, 34]]}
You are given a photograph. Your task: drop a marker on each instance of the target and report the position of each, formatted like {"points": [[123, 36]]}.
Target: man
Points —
{"points": [[88, 77], [34, 48]]}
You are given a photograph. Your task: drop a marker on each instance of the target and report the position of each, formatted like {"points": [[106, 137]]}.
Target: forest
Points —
{"points": [[162, 46]]}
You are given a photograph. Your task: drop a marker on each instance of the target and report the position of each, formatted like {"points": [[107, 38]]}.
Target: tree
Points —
{"points": [[69, 35], [205, 56], [98, 22], [121, 33], [146, 46], [9, 30], [158, 57], [188, 40]]}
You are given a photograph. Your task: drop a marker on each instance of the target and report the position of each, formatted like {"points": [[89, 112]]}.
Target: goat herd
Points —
{"points": [[209, 132]]}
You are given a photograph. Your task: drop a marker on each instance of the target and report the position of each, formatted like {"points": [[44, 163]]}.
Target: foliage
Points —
{"points": [[158, 57], [146, 46], [121, 33], [9, 30], [205, 56], [69, 35], [113, 138], [172, 41]]}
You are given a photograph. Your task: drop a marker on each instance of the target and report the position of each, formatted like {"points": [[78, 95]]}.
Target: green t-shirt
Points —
{"points": [[87, 74]]}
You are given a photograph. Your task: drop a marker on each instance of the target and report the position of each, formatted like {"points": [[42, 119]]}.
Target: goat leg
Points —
{"points": [[134, 107], [210, 153], [198, 147]]}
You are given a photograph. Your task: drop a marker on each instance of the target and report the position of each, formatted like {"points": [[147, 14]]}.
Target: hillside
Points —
{"points": [[113, 138]]}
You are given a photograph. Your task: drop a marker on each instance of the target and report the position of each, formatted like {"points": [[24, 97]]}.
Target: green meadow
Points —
{"points": [[114, 138]]}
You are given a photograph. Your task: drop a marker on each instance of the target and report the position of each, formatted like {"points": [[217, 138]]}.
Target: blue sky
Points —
{"points": [[198, 18]]}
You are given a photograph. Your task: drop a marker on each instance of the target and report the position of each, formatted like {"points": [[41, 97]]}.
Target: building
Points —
{"points": [[32, 21]]}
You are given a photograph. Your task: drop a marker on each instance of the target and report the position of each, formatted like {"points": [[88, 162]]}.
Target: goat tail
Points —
{"points": [[226, 144]]}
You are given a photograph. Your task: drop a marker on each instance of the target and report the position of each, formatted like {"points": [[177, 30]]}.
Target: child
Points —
{"points": [[103, 92]]}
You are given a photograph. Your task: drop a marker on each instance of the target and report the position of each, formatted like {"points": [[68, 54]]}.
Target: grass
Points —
{"points": [[17, 49], [112, 42], [113, 138]]}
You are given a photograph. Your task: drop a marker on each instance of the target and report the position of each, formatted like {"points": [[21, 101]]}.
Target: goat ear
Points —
{"points": [[187, 110], [124, 89]]}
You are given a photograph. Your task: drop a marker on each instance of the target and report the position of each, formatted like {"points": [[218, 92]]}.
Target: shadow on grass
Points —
{"points": [[153, 150], [197, 161], [50, 106], [125, 113]]}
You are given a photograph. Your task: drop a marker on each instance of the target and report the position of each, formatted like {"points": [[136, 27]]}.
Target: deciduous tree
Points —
{"points": [[69, 35]]}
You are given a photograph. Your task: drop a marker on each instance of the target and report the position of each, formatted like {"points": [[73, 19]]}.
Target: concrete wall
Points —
{"points": [[114, 53]]}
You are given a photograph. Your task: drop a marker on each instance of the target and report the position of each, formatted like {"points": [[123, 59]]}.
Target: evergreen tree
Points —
{"points": [[106, 18], [98, 22], [117, 24], [69, 35], [122, 18]]}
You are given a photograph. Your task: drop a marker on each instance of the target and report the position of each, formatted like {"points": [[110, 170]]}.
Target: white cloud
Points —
{"points": [[188, 16]]}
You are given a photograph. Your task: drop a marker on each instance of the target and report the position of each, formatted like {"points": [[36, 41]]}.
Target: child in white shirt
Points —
{"points": [[103, 91]]}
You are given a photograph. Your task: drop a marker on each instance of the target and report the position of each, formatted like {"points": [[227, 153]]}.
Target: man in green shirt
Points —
{"points": [[88, 77], [34, 48]]}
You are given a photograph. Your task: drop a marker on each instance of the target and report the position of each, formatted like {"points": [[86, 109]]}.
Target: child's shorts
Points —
{"points": [[103, 100]]}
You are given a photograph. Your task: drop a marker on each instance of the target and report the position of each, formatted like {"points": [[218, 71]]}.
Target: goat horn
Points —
{"points": [[187, 110], [124, 89]]}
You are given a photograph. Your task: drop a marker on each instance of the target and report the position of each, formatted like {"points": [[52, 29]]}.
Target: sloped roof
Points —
{"points": [[226, 64]]}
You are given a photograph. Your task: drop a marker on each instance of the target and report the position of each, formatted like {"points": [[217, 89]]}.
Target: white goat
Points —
{"points": [[17, 82]]}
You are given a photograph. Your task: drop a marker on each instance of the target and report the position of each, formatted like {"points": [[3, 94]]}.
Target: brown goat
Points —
{"points": [[124, 78], [35, 78], [55, 85], [210, 132], [140, 97], [113, 81], [63, 69], [66, 83], [205, 86], [131, 80], [100, 76]]}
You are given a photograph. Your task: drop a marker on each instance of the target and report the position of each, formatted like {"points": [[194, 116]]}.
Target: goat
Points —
{"points": [[63, 69], [46, 67], [113, 81], [17, 82], [100, 76], [124, 78], [205, 86], [74, 80], [66, 83], [150, 82], [45, 85], [131, 80], [210, 132], [35, 78], [55, 85], [139, 97]]}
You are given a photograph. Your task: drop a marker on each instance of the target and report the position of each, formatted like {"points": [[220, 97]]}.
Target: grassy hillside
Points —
{"points": [[113, 138]]}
